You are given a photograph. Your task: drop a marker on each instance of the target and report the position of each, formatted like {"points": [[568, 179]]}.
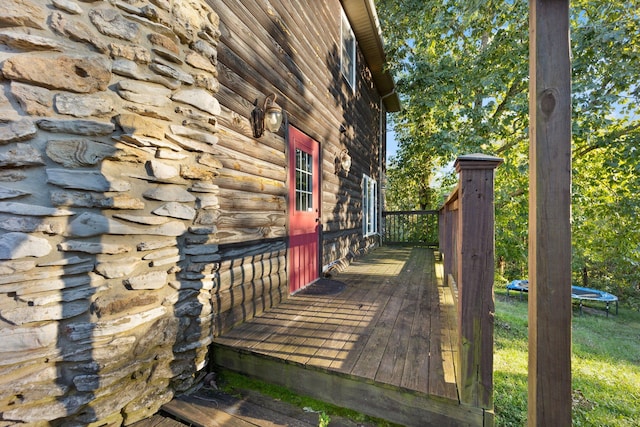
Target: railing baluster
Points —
{"points": [[410, 227]]}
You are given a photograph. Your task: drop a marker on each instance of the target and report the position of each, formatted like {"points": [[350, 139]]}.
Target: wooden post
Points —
{"points": [[476, 245], [549, 214]]}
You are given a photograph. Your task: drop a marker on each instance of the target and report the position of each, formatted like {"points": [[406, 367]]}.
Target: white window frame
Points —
{"points": [[347, 40], [369, 206]]}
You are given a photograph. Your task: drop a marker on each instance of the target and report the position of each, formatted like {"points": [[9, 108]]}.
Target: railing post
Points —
{"points": [[446, 235], [475, 266], [550, 391]]}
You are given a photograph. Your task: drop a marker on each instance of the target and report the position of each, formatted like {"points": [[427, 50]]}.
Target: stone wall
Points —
{"points": [[108, 206]]}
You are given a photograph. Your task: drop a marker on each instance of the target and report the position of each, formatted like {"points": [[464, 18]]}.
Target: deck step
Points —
{"points": [[158, 420], [213, 408]]}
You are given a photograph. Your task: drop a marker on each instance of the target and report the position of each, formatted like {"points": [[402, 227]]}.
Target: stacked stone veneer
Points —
{"points": [[108, 206]]}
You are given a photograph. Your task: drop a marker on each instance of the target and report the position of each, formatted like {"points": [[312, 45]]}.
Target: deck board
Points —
{"points": [[376, 341], [308, 340], [367, 310], [391, 365], [342, 342], [158, 421], [392, 325], [416, 374], [212, 409]]}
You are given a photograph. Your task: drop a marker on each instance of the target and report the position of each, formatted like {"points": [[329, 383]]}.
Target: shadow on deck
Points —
{"points": [[383, 345]]}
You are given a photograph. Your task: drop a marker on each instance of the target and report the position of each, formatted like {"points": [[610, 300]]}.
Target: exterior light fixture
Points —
{"points": [[344, 161], [269, 116]]}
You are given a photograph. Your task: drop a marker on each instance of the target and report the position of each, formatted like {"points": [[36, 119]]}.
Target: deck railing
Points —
{"points": [[467, 242], [410, 227]]}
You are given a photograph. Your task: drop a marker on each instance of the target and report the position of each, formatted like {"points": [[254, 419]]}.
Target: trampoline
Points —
{"points": [[577, 293]]}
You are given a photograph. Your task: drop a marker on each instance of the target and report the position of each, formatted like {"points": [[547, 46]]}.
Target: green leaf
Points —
{"points": [[461, 69]]}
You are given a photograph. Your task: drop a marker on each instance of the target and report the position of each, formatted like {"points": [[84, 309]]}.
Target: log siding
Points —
{"points": [[292, 50]]}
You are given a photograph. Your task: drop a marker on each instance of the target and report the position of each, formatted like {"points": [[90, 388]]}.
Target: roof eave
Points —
{"points": [[366, 27]]}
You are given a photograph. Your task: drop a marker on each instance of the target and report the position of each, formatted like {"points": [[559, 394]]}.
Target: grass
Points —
{"points": [[233, 383], [605, 365]]}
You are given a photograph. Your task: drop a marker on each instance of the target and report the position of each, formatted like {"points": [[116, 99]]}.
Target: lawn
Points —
{"points": [[605, 365]]}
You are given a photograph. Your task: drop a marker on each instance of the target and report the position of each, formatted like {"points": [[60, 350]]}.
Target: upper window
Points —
{"points": [[369, 206], [348, 52]]}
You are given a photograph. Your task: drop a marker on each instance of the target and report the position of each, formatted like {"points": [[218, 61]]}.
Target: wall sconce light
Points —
{"points": [[343, 162], [269, 116]]}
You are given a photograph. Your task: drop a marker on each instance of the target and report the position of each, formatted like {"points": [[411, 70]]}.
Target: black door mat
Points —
{"points": [[323, 287]]}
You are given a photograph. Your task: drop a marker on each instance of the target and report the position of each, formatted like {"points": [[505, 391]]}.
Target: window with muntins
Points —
{"points": [[304, 181], [348, 52], [369, 206]]}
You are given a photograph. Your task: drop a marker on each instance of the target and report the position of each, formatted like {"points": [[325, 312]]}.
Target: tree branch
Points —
{"points": [[602, 142], [514, 89]]}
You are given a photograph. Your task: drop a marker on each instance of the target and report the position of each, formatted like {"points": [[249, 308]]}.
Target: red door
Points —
{"points": [[304, 209]]}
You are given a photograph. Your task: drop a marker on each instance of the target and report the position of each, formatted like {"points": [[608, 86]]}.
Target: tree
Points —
{"points": [[461, 68]]}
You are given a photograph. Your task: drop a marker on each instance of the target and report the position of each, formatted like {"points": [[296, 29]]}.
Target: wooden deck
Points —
{"points": [[384, 345]]}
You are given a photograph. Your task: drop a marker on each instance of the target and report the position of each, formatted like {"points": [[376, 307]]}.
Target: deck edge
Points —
{"points": [[384, 401]]}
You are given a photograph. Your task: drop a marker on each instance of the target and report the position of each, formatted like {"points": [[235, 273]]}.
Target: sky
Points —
{"points": [[392, 144]]}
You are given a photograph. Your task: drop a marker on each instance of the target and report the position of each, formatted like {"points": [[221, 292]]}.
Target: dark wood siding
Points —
{"points": [[293, 50]]}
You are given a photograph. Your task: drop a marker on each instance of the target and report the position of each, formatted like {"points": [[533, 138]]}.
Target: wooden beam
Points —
{"points": [[475, 266], [549, 214]]}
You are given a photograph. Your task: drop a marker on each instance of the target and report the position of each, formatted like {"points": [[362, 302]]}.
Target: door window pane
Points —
{"points": [[304, 181]]}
